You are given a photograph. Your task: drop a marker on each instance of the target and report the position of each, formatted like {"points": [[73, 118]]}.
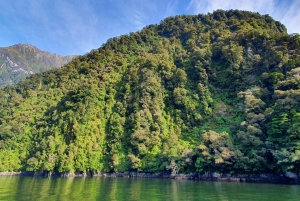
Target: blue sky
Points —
{"points": [[77, 26]]}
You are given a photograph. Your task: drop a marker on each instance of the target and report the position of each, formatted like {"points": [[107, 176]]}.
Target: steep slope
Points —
{"points": [[216, 92], [21, 60]]}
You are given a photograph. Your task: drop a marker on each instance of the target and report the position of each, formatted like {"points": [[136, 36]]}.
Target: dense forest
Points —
{"points": [[203, 93]]}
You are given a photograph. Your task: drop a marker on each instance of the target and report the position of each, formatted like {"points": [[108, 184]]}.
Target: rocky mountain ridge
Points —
{"points": [[21, 60]]}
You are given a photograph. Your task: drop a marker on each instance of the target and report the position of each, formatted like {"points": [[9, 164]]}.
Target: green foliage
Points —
{"points": [[217, 92], [215, 153]]}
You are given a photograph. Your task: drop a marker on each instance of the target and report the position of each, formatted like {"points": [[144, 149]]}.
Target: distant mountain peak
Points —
{"points": [[26, 47], [20, 60]]}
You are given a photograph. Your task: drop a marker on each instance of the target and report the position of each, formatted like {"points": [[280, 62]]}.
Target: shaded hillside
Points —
{"points": [[22, 60], [204, 93]]}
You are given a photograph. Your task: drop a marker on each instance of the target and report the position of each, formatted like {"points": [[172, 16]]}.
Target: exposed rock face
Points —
{"points": [[21, 60]]}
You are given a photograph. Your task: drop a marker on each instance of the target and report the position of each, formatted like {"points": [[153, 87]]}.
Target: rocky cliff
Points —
{"points": [[21, 60]]}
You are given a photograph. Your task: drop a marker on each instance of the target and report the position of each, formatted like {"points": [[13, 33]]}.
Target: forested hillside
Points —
{"points": [[22, 60], [204, 93]]}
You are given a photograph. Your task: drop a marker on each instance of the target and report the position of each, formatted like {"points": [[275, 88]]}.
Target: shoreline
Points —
{"points": [[248, 178]]}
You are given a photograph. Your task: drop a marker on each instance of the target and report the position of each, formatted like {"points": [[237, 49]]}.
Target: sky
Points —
{"points": [[75, 27]]}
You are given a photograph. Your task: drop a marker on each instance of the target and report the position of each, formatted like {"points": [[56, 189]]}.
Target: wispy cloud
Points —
{"points": [[49, 24], [139, 14], [75, 22], [138, 19], [291, 17], [136, 13], [204, 6], [76, 26], [286, 12], [171, 8]]}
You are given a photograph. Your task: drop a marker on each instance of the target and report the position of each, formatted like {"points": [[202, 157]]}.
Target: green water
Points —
{"points": [[37, 188]]}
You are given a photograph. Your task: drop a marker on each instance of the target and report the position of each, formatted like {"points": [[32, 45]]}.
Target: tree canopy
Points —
{"points": [[216, 92]]}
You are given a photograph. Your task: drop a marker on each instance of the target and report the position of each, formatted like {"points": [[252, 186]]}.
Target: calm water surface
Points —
{"points": [[37, 188]]}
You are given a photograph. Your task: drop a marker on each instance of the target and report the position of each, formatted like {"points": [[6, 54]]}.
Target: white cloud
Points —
{"points": [[136, 13], [138, 19], [291, 17], [56, 26], [170, 10], [75, 23], [76, 27], [204, 6]]}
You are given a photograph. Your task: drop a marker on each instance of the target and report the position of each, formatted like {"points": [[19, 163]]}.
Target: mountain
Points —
{"points": [[199, 93], [22, 60]]}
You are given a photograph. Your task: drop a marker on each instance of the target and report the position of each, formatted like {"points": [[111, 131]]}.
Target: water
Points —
{"points": [[37, 188]]}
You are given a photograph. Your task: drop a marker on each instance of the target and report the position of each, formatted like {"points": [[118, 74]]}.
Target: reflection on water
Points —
{"points": [[37, 188]]}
